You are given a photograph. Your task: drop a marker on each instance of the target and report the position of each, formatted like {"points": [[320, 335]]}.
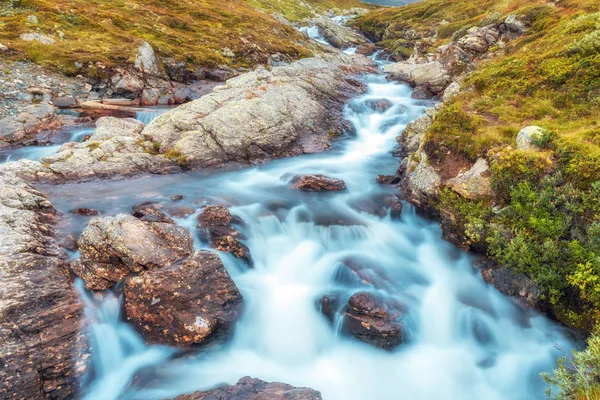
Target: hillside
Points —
{"points": [[202, 32]]}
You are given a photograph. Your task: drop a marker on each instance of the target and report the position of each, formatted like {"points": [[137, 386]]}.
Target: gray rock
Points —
{"points": [[37, 37], [148, 62], [451, 92], [527, 136], [431, 75], [339, 36], [261, 114], [474, 183]]}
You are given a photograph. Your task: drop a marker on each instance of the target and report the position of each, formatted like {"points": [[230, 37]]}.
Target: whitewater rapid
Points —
{"points": [[465, 339]]}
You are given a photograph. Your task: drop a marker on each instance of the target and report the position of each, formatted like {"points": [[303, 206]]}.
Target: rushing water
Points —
{"points": [[466, 340]]}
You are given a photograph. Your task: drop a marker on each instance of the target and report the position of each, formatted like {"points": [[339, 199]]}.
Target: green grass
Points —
{"points": [[195, 31]]}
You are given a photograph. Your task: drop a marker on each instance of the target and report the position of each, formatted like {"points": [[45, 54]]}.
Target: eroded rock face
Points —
{"points": [[42, 351], [317, 183], [116, 150], [114, 247], [32, 120], [431, 75], [341, 37], [184, 304], [262, 114], [215, 226], [254, 389], [374, 321]]}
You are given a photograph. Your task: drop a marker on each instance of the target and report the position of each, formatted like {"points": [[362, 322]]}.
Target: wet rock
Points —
{"points": [[114, 247], [215, 226], [431, 75], [179, 71], [64, 101], [254, 389], [317, 183], [388, 179], [205, 306], [371, 320], [341, 37], [421, 93], [366, 49], [180, 212], [353, 270], [329, 306], [395, 206], [150, 211], [42, 348], [514, 284], [379, 105], [177, 197], [87, 212], [474, 183], [215, 216], [69, 243]]}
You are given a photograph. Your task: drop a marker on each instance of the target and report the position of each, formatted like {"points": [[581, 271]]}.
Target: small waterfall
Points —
{"points": [[148, 116]]}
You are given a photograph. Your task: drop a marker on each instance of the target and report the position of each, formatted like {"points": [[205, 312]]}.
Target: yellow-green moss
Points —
{"points": [[188, 30]]}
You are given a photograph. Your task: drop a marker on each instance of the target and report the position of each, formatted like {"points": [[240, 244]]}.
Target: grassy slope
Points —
{"points": [[549, 226], [191, 30]]}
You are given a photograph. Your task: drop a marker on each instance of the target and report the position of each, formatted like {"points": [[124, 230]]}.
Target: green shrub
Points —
{"points": [[578, 376]]}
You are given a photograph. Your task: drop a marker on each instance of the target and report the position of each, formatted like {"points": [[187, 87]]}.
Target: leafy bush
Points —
{"points": [[577, 377]]}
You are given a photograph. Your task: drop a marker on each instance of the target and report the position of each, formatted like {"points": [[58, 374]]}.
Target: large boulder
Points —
{"points": [[254, 389], [42, 348], [374, 321], [317, 183], [262, 114], [148, 62], [114, 247], [339, 36], [184, 304], [431, 75]]}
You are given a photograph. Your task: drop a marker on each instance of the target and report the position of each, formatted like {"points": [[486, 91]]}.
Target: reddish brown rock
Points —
{"points": [[317, 183], [42, 348], [388, 179], [216, 228], [254, 389], [329, 307], [113, 247], [180, 212], [88, 212], [372, 320], [379, 105], [215, 216], [184, 304]]}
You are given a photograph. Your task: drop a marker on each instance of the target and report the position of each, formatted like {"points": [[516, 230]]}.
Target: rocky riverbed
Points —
{"points": [[277, 268]]}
